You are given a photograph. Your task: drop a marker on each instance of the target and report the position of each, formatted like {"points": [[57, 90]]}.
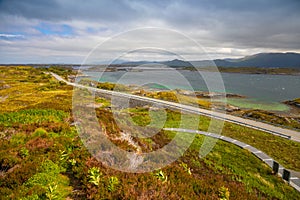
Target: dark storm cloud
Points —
{"points": [[45, 10], [226, 25], [167, 10], [228, 17], [256, 23], [67, 9]]}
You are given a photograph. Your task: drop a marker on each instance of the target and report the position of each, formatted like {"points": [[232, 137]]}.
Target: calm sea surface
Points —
{"points": [[262, 91]]}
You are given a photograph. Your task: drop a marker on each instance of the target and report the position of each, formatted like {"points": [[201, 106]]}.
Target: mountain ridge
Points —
{"points": [[265, 60]]}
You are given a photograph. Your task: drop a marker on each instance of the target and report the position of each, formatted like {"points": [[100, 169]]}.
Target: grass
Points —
{"points": [[40, 91], [244, 167], [269, 117], [62, 71], [42, 156], [32, 116], [174, 96], [286, 152]]}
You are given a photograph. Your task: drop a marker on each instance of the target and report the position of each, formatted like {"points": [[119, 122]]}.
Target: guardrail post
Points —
{"points": [[275, 167], [286, 175]]}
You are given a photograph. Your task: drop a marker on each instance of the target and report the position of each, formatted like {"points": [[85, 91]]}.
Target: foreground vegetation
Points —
{"points": [[42, 156]]}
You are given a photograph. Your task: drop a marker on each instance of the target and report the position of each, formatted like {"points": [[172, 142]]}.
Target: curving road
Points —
{"points": [[286, 133], [294, 179]]}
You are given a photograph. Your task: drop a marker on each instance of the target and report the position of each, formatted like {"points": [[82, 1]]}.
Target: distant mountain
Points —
{"points": [[138, 62], [178, 63], [171, 63], [275, 60], [284, 60]]}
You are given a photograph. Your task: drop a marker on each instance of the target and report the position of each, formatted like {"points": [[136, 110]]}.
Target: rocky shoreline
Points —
{"points": [[295, 102]]}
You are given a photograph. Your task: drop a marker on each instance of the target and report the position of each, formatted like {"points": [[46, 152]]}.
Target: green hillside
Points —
{"points": [[42, 155]]}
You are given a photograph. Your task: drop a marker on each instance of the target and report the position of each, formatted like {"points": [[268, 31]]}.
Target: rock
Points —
{"points": [[293, 103], [231, 108]]}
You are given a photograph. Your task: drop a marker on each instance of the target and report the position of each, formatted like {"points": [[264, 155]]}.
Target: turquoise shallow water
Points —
{"points": [[262, 91]]}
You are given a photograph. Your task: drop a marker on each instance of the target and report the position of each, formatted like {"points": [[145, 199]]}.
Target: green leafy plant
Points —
{"points": [[50, 194], [72, 162], [112, 183], [51, 182], [23, 152], [223, 193], [161, 176], [94, 175], [31, 197], [48, 172], [63, 155], [186, 168]]}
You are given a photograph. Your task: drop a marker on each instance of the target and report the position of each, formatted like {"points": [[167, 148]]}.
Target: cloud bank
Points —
{"points": [[64, 31]]}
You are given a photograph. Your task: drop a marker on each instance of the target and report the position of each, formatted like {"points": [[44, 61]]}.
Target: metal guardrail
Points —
{"points": [[285, 174]]}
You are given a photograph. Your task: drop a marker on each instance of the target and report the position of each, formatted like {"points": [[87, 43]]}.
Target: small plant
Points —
{"points": [[23, 152], [48, 182], [186, 168], [161, 176], [94, 175], [223, 193], [112, 183], [39, 132], [50, 194], [72, 162], [63, 155]]}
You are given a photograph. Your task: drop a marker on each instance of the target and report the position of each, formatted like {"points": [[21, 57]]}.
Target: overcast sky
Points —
{"points": [[65, 31]]}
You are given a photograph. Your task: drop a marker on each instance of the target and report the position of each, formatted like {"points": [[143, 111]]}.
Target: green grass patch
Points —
{"points": [[246, 168], [286, 152], [32, 116]]}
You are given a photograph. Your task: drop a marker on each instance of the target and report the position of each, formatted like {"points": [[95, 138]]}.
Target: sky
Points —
{"points": [[66, 31]]}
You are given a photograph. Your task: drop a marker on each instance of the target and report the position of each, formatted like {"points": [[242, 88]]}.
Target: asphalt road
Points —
{"points": [[286, 133]]}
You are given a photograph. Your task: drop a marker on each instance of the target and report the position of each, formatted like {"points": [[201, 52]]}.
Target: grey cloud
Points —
{"points": [[235, 24], [57, 10], [32, 9]]}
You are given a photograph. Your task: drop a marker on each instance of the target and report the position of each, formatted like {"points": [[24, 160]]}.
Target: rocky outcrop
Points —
{"points": [[295, 102]]}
